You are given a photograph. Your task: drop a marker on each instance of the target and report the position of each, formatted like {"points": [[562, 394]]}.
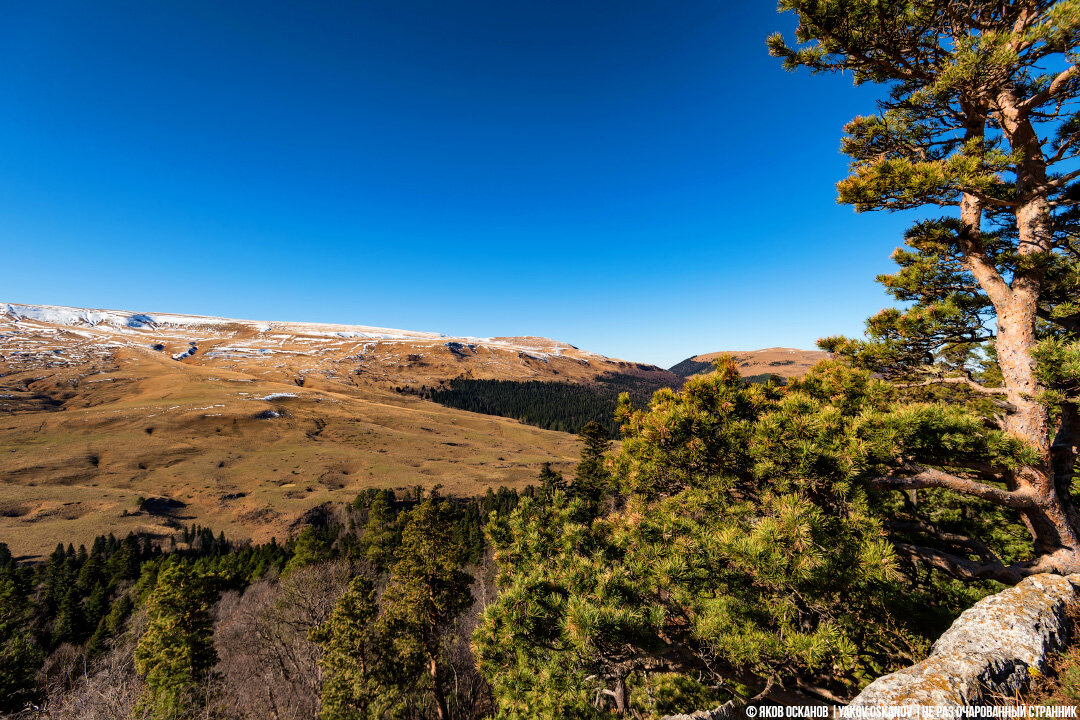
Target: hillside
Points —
{"points": [[295, 353], [116, 421], [785, 362]]}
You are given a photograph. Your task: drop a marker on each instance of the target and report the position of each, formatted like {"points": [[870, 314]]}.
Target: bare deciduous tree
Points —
{"points": [[268, 667]]}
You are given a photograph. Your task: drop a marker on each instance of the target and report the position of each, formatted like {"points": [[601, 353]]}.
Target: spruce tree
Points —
{"points": [[978, 120], [426, 593], [175, 654]]}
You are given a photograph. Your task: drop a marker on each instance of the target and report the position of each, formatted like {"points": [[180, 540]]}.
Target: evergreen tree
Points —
{"points": [[123, 562], [550, 480], [96, 606], [175, 654], [359, 682], [20, 655], [381, 534], [749, 553], [592, 480], [980, 119], [92, 573], [426, 592], [381, 658], [311, 547], [69, 624]]}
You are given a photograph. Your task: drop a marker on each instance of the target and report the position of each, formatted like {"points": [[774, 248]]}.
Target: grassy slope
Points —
{"points": [[785, 362], [138, 424]]}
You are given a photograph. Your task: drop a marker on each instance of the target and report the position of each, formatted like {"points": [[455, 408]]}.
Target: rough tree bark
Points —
{"points": [[1038, 491]]}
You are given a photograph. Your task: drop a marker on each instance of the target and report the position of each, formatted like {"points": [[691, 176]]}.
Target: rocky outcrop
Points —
{"points": [[986, 656], [989, 652], [727, 711]]}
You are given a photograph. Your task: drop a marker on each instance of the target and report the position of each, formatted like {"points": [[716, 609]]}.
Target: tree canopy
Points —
{"points": [[978, 119], [176, 653], [748, 551]]}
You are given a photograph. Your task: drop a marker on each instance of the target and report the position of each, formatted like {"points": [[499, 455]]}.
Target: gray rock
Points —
{"points": [[727, 711], [988, 654]]}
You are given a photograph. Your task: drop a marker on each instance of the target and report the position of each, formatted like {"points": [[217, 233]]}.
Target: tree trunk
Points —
{"points": [[1052, 522], [441, 711]]}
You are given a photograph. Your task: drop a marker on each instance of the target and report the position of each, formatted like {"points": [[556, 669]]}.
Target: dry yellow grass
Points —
{"points": [[785, 362], [101, 408], [138, 425]]}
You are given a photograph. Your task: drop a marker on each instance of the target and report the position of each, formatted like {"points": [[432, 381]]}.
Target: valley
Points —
{"points": [[116, 421]]}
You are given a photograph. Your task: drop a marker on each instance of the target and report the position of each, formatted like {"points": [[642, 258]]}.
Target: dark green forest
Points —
{"points": [[140, 616], [563, 406], [690, 366]]}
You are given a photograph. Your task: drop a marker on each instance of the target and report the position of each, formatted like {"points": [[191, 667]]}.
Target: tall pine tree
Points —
{"points": [[175, 654], [979, 120]]}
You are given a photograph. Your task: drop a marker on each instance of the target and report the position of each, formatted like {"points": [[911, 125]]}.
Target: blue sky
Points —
{"points": [[636, 177]]}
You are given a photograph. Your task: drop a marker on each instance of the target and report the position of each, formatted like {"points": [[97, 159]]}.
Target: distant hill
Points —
{"points": [[785, 362], [116, 421], [304, 354]]}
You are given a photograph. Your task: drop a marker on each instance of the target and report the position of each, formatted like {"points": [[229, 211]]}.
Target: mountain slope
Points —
{"points": [[785, 362], [296, 353], [110, 423]]}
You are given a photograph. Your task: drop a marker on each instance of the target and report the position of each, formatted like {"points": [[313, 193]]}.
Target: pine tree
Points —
{"points": [[91, 574], [592, 480], [311, 547], [175, 654], [20, 654], [359, 682], [96, 606], [978, 119], [426, 592], [748, 553], [550, 480], [381, 658], [70, 623], [123, 562], [381, 534]]}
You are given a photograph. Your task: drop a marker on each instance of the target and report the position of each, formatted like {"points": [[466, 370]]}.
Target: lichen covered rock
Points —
{"points": [[989, 652]]}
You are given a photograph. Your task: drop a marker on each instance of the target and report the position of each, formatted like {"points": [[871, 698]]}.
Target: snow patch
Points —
{"points": [[277, 396]]}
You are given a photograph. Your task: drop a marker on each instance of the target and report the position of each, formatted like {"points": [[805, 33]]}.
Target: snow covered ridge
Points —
{"points": [[61, 315], [140, 322]]}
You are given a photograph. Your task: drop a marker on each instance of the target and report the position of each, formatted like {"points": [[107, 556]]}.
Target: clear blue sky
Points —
{"points": [[636, 177]]}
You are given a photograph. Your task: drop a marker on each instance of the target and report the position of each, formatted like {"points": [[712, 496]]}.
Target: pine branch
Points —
{"points": [[985, 470], [1058, 84], [964, 569], [1062, 180], [930, 478], [986, 199], [962, 541], [956, 380]]}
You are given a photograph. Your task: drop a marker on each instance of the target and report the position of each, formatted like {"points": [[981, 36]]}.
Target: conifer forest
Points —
{"points": [[723, 542]]}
